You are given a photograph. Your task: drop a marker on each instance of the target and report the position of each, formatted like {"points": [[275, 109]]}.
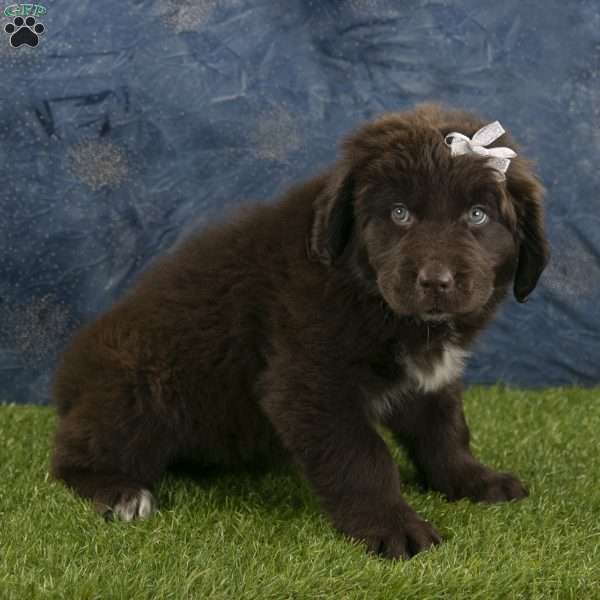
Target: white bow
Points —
{"points": [[499, 158]]}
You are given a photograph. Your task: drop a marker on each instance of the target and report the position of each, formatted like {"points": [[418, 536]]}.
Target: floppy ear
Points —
{"points": [[333, 217], [534, 253]]}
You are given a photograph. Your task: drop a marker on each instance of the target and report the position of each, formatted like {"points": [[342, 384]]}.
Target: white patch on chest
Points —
{"points": [[445, 370], [439, 373]]}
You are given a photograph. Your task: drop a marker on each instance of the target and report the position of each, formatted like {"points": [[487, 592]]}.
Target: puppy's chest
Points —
{"points": [[421, 371]]}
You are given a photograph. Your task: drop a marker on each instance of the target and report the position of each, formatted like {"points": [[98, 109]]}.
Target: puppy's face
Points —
{"points": [[436, 236], [438, 232]]}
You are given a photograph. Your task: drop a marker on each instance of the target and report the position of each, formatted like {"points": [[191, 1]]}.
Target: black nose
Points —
{"points": [[434, 277]]}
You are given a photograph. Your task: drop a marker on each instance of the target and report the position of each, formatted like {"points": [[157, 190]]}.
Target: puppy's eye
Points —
{"points": [[401, 214], [477, 216]]}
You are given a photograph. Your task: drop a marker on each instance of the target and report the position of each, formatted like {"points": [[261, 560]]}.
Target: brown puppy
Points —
{"points": [[301, 324]]}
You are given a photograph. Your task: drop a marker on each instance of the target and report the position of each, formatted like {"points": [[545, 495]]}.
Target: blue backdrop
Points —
{"points": [[133, 123]]}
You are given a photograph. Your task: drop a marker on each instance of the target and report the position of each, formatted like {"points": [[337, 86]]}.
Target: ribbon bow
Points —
{"points": [[499, 158]]}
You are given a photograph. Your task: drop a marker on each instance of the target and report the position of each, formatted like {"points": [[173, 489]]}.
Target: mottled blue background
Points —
{"points": [[133, 123]]}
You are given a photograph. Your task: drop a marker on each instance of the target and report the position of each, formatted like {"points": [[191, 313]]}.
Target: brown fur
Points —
{"points": [[300, 324]]}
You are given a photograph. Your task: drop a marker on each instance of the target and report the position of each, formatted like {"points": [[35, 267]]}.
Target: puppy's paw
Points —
{"points": [[399, 536], [138, 504], [481, 484], [499, 487], [404, 541]]}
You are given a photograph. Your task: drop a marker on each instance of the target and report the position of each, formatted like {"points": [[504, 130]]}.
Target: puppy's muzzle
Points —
{"points": [[435, 279]]}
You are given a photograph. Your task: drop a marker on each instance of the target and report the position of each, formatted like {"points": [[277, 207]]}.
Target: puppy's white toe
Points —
{"points": [[141, 506], [146, 505]]}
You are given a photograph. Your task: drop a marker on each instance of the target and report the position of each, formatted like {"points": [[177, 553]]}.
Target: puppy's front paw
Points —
{"points": [[400, 535], [404, 541], [499, 487], [485, 485]]}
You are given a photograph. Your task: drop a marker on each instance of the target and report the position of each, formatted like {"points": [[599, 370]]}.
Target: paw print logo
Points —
{"points": [[24, 31]]}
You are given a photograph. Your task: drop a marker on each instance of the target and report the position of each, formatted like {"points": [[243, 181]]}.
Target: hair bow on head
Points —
{"points": [[499, 158]]}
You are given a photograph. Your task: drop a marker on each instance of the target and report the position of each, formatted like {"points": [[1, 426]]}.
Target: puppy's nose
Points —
{"points": [[435, 277]]}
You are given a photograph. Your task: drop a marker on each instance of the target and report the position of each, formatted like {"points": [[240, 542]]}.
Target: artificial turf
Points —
{"points": [[257, 535]]}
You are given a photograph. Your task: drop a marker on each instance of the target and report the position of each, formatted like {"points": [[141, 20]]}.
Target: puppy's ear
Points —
{"points": [[333, 217], [534, 254]]}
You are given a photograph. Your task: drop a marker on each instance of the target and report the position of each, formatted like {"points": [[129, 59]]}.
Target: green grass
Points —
{"points": [[243, 535]]}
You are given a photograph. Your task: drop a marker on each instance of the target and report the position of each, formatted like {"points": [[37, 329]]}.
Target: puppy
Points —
{"points": [[297, 327]]}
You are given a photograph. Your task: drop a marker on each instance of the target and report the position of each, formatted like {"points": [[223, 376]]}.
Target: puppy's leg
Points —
{"points": [[112, 462], [433, 429], [348, 465]]}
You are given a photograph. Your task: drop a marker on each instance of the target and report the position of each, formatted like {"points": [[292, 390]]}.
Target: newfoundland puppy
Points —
{"points": [[298, 327]]}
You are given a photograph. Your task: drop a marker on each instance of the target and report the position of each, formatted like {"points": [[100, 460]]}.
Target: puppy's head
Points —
{"points": [[436, 236]]}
